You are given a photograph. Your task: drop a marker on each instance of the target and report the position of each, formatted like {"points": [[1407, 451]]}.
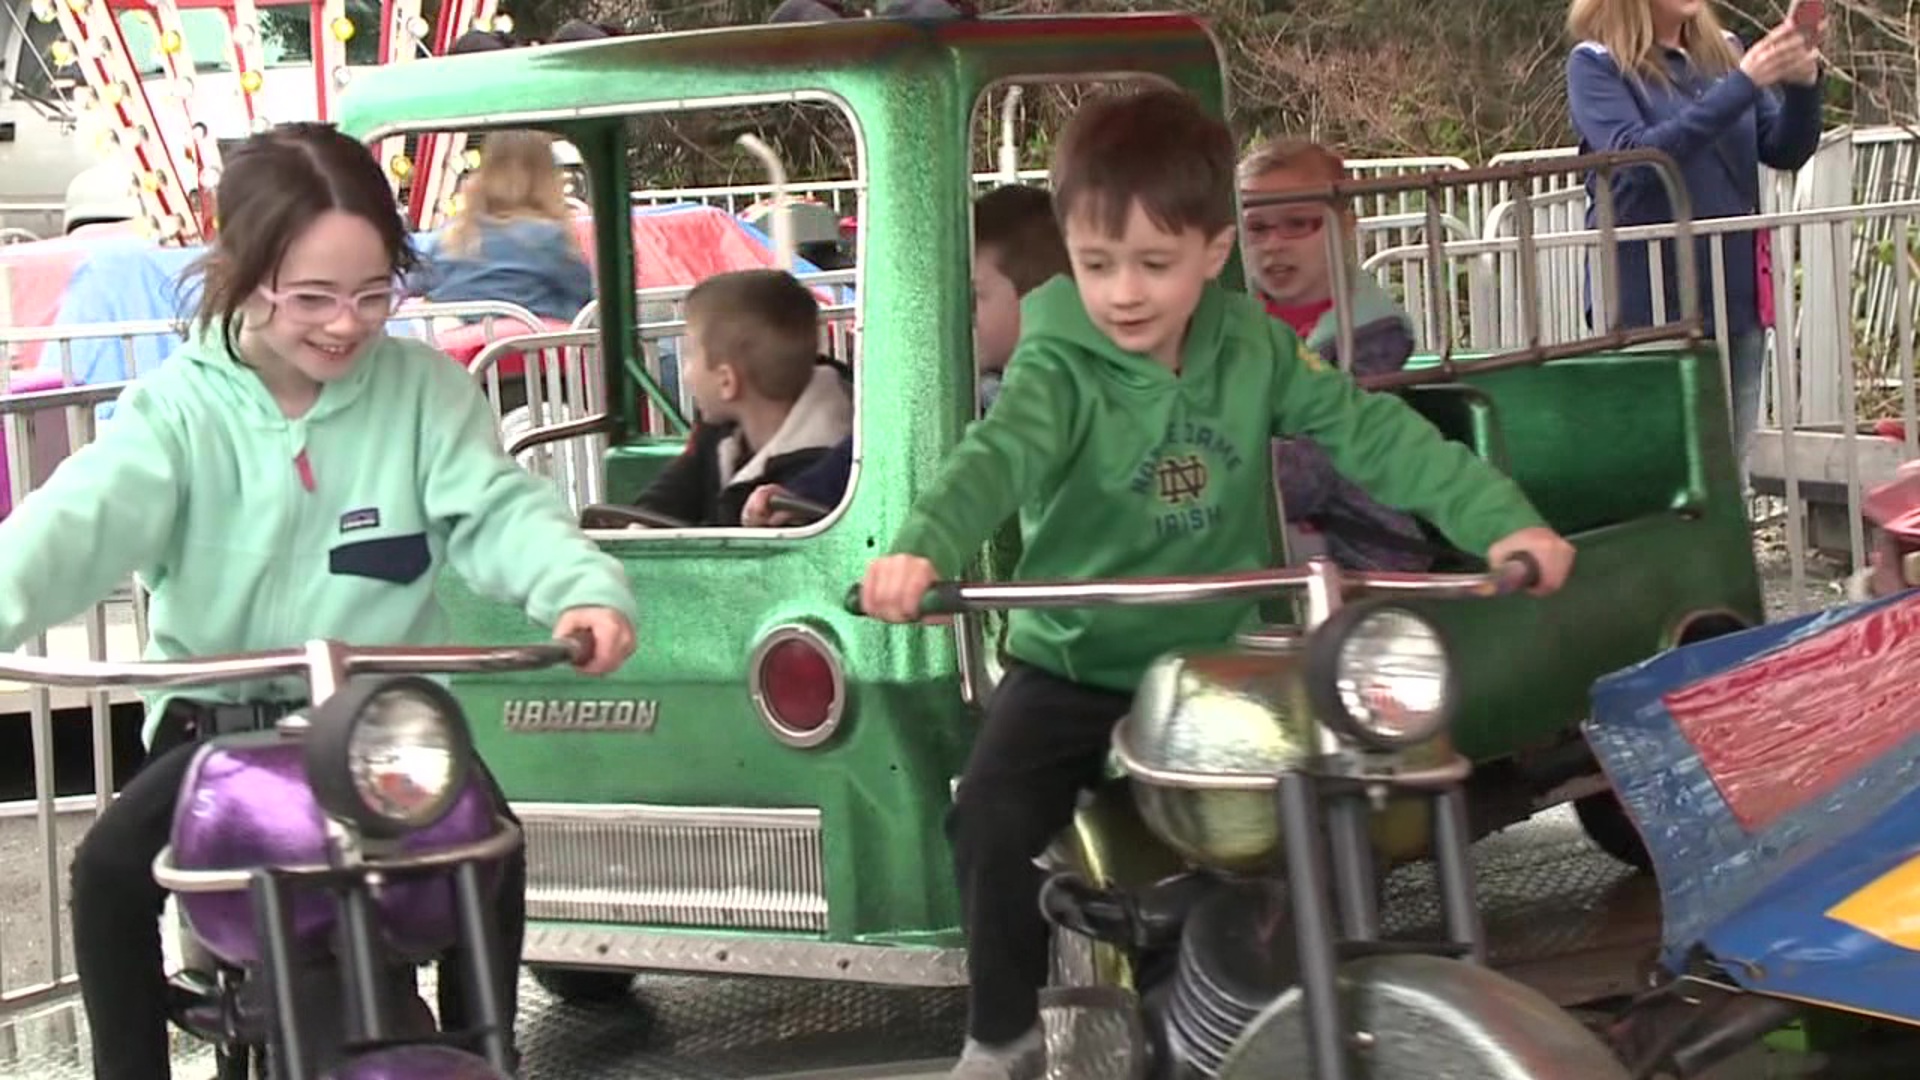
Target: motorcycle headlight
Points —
{"points": [[1380, 675], [389, 755]]}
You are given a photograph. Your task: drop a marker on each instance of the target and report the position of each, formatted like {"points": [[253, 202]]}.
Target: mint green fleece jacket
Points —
{"points": [[255, 531]]}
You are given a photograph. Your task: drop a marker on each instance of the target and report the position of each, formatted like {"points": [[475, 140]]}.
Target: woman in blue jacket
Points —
{"points": [[513, 237], [1664, 75]]}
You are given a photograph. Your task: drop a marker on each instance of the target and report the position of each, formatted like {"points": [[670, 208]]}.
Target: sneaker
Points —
{"points": [[1024, 1058]]}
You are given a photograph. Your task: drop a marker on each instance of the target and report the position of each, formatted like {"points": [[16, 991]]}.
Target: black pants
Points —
{"points": [[117, 907], [1043, 740]]}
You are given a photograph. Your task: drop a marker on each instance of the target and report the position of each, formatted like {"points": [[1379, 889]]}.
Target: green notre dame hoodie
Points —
{"points": [[1122, 468], [255, 531]]}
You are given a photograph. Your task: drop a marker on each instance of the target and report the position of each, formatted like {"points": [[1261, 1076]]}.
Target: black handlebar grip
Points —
{"points": [[1526, 576], [794, 504], [579, 644], [942, 598]]}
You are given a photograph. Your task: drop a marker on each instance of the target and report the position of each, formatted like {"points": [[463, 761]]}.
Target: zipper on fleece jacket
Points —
{"points": [[293, 506]]}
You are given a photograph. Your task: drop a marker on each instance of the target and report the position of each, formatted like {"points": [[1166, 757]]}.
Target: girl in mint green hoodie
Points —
{"points": [[292, 473]]}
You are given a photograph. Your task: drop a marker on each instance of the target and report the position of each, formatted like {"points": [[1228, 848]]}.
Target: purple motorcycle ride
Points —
{"points": [[319, 862]]}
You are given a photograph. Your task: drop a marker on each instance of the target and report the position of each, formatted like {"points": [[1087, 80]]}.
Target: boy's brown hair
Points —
{"points": [[1013, 225], [763, 322], [1157, 147]]}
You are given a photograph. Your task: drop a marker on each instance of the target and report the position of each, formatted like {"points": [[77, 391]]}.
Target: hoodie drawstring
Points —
{"points": [[305, 469]]}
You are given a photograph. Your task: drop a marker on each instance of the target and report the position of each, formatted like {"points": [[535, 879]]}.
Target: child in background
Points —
{"points": [[769, 409], [1016, 247], [1292, 258], [512, 238]]}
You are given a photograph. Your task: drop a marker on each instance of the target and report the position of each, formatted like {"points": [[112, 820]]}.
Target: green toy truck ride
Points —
{"points": [[761, 790]]}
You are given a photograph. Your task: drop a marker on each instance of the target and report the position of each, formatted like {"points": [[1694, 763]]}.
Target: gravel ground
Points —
{"points": [[1823, 581]]}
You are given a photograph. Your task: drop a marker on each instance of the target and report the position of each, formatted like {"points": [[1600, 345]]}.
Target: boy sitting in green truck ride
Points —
{"points": [[1133, 440], [769, 409], [1016, 248]]}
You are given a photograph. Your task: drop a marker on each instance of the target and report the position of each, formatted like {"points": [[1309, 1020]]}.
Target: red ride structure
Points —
{"points": [[157, 124]]}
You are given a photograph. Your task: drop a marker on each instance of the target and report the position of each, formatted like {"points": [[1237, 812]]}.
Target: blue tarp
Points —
{"points": [[1822, 902]]}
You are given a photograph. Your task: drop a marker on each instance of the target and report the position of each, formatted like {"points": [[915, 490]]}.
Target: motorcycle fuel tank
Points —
{"points": [[246, 803], [1243, 711], [417, 1063]]}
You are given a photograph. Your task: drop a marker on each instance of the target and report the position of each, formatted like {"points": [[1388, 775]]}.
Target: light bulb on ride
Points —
{"points": [[183, 88], [418, 28], [170, 42], [250, 82], [113, 94], [342, 28], [209, 178], [401, 166], [45, 11], [261, 125], [60, 52], [472, 157], [78, 6], [342, 76], [245, 34], [503, 24], [150, 181]]}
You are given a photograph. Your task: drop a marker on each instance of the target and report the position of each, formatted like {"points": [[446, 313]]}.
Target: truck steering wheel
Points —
{"points": [[616, 516]]}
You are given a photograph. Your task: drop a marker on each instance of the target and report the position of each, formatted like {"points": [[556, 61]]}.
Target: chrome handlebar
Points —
{"points": [[1515, 574], [321, 661]]}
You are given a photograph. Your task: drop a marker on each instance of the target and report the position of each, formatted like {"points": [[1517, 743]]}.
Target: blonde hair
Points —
{"points": [[1294, 155], [516, 179], [1625, 28]]}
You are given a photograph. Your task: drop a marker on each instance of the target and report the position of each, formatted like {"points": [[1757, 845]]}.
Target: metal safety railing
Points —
{"points": [[35, 960], [563, 383], [1835, 412]]}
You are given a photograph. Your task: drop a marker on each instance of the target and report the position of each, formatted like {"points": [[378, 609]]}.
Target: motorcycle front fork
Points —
{"points": [[1332, 889], [368, 1009]]}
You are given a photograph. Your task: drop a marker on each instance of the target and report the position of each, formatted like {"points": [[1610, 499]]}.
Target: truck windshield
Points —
{"points": [[285, 29]]}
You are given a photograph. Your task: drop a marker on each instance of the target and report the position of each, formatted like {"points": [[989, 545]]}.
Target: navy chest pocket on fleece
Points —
{"points": [[398, 559]]}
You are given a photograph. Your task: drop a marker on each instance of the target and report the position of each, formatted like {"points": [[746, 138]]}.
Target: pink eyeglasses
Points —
{"points": [[319, 306]]}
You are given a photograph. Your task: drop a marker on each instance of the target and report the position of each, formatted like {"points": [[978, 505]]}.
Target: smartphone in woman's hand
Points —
{"points": [[1807, 15]]}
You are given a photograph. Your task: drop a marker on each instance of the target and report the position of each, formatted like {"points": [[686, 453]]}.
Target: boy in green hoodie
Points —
{"points": [[292, 473], [1132, 438]]}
